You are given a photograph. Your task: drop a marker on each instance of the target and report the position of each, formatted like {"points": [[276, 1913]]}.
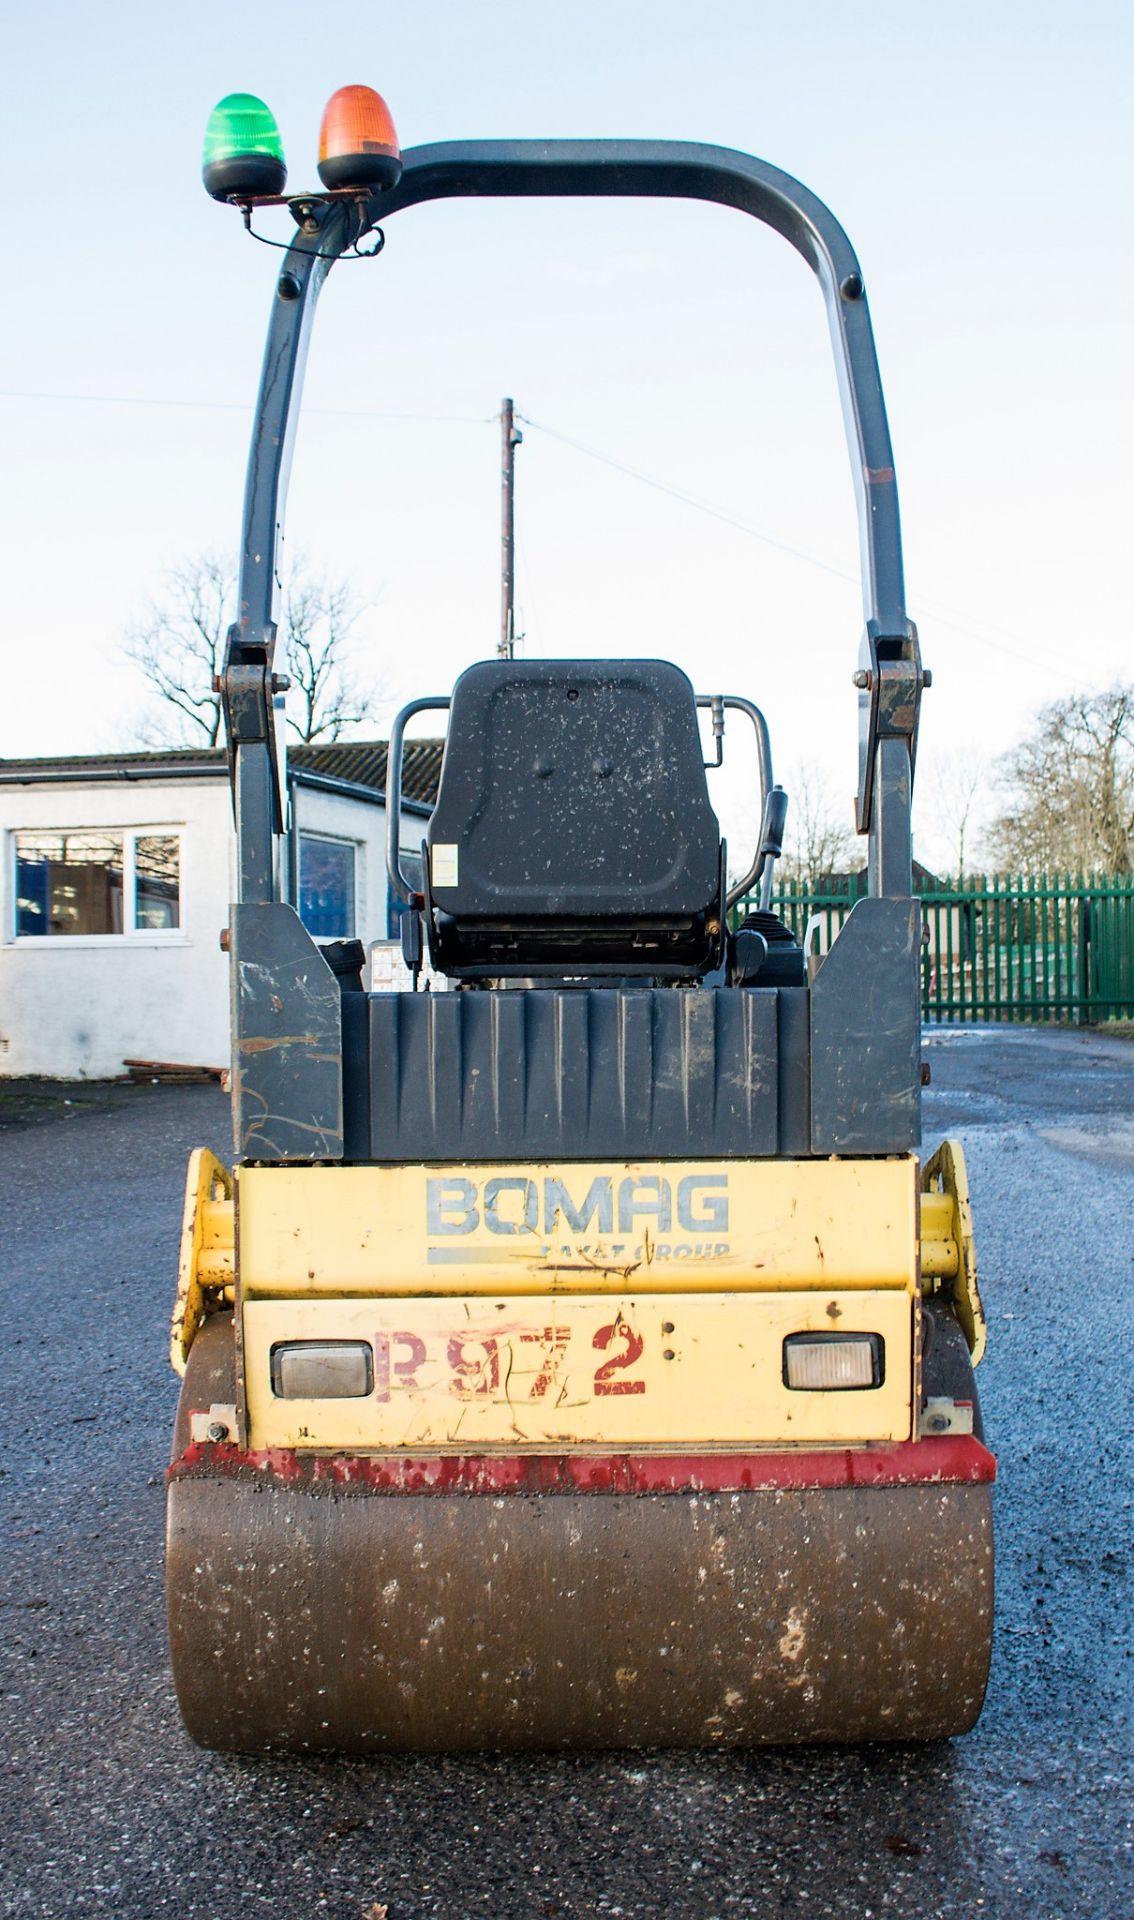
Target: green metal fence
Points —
{"points": [[1006, 946]]}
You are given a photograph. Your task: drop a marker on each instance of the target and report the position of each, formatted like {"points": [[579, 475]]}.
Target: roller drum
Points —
{"points": [[316, 1619]]}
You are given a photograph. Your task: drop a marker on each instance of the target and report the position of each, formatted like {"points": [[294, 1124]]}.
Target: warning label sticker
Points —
{"points": [[444, 863]]}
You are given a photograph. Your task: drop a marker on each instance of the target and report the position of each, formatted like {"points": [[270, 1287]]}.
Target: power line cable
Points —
{"points": [[937, 608], [688, 499]]}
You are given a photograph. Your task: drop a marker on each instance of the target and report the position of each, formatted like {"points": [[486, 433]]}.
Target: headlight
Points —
{"points": [[833, 1362], [322, 1370]]}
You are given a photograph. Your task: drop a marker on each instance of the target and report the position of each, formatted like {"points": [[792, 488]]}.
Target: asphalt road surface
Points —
{"points": [[106, 1807]]}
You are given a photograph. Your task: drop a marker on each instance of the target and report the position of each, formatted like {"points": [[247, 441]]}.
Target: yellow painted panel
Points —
{"points": [[940, 1257], [585, 1370], [946, 1189], [583, 1227], [206, 1263]]}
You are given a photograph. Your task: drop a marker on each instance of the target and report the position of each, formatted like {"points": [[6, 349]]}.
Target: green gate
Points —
{"points": [[1004, 946]]}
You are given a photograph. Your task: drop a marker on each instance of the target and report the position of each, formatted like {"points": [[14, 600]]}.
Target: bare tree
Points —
{"points": [[319, 618], [819, 842], [1070, 788], [179, 646], [959, 785]]}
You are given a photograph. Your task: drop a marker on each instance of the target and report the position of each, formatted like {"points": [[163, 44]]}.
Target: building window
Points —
{"points": [[326, 887], [157, 882], [95, 882]]}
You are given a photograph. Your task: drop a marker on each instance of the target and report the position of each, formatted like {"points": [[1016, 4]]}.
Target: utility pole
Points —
{"points": [[510, 439]]}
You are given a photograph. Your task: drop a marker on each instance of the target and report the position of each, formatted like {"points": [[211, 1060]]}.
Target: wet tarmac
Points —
{"points": [[106, 1808]]}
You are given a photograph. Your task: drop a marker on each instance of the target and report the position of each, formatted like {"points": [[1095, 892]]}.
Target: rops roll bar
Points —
{"points": [[889, 676]]}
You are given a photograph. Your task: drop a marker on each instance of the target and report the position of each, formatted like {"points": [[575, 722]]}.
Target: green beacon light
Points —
{"points": [[243, 157]]}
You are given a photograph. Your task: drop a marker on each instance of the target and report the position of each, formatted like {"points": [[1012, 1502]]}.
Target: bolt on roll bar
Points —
{"points": [[765, 856], [400, 887], [890, 677]]}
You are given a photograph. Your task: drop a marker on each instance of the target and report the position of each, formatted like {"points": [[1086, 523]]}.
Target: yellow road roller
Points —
{"points": [[578, 1350]]}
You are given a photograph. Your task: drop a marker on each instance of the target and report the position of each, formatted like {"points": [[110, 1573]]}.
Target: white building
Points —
{"points": [[115, 883]]}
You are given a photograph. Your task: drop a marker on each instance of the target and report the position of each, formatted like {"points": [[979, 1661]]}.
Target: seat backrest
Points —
{"points": [[574, 791]]}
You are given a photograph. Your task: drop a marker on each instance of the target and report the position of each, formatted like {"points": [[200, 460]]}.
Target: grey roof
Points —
{"points": [[363, 762], [359, 763], [128, 765]]}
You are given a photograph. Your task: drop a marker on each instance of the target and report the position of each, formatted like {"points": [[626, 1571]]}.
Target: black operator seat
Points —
{"points": [[573, 833]]}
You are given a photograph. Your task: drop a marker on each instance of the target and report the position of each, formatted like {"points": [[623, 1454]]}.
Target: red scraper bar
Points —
{"points": [[953, 1459]]}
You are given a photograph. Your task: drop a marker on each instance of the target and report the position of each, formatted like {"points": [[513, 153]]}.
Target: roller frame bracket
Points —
{"points": [[213, 1425], [941, 1416], [944, 1172], [207, 1180]]}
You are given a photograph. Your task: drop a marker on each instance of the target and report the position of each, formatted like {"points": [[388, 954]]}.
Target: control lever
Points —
{"points": [[771, 842]]}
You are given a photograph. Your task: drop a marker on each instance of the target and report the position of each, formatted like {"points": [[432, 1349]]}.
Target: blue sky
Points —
{"points": [[979, 156]]}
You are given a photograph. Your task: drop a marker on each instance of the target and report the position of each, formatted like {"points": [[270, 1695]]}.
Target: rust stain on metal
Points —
{"points": [[269, 1043], [951, 1460]]}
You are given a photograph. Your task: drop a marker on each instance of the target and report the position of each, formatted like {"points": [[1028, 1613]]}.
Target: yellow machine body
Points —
{"points": [[575, 1372], [680, 1227], [592, 1370], [579, 1305]]}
